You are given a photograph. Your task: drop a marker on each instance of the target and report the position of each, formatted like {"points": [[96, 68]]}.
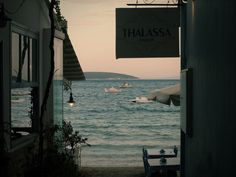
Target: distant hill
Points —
{"points": [[107, 75]]}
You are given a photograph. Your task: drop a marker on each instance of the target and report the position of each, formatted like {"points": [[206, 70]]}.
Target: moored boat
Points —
{"points": [[126, 85], [141, 99], [111, 90]]}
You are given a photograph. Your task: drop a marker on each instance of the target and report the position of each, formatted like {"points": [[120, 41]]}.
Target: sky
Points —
{"points": [[91, 27]]}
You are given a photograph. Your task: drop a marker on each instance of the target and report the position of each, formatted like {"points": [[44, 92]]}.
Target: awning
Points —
{"points": [[167, 95], [71, 67]]}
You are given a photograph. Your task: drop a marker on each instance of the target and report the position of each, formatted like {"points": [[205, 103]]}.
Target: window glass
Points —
{"points": [[23, 48], [33, 63], [30, 60], [21, 106], [15, 55], [58, 81], [24, 91], [23, 69]]}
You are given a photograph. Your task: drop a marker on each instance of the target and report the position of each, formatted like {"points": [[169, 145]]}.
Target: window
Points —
{"points": [[24, 83], [58, 82]]}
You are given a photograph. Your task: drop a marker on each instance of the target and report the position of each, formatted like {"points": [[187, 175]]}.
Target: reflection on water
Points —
{"points": [[21, 107]]}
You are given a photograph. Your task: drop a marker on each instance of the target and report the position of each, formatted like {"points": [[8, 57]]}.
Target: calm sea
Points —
{"points": [[118, 129]]}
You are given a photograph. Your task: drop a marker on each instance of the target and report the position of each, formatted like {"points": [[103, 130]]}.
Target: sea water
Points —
{"points": [[118, 129]]}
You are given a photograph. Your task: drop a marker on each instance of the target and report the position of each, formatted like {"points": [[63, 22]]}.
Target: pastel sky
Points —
{"points": [[91, 27]]}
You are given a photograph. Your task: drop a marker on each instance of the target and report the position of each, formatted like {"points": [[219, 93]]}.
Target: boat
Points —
{"points": [[111, 90], [141, 99], [126, 85]]}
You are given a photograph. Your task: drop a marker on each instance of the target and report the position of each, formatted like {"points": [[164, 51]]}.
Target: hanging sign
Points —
{"points": [[147, 32]]}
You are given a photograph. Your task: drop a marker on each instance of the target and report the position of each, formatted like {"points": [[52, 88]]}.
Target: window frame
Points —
{"points": [[25, 139]]}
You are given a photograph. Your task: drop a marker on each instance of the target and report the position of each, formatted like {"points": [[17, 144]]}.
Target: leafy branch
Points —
{"points": [[69, 138]]}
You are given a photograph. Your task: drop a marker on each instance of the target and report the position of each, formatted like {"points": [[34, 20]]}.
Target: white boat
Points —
{"points": [[126, 85], [141, 99], [111, 90]]}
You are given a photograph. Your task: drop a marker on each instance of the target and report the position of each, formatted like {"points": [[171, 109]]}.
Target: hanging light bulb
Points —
{"points": [[71, 101]]}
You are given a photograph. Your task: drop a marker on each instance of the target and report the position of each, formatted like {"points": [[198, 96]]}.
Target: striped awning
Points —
{"points": [[71, 67]]}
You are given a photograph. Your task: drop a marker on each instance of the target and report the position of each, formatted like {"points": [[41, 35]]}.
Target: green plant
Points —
{"points": [[58, 159], [68, 138]]}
